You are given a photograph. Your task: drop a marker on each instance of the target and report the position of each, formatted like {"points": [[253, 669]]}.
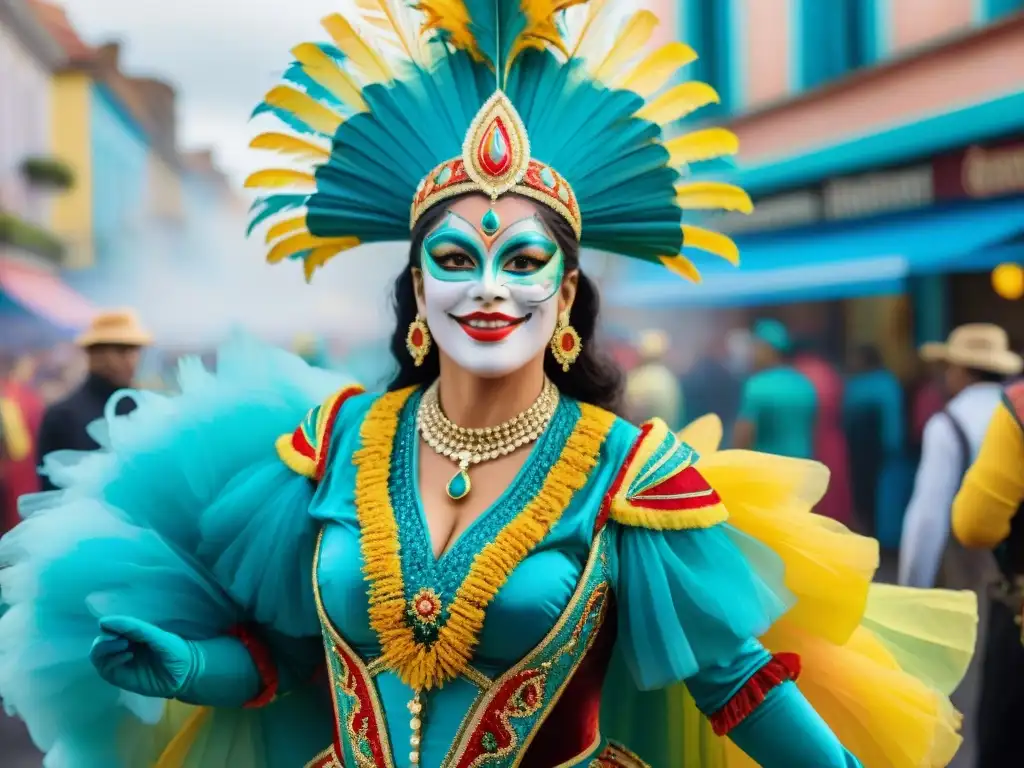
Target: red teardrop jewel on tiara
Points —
{"points": [[495, 151]]}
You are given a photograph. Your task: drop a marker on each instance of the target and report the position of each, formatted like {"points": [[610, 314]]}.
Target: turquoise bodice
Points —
{"points": [[505, 639], [544, 588]]}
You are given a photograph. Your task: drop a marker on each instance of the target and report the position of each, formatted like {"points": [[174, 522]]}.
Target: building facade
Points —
{"points": [[33, 178], [27, 58], [883, 143]]}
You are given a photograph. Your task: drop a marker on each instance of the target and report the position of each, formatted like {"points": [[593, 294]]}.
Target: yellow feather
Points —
{"points": [[392, 22], [633, 37], [304, 241], [322, 68], [286, 227], [274, 178], [713, 195], [701, 145], [325, 253], [287, 144], [712, 242], [678, 102], [452, 17], [682, 266], [651, 74], [304, 107], [595, 9], [541, 28], [365, 59]]}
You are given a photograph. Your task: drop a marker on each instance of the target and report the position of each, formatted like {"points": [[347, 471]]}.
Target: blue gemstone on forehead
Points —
{"points": [[547, 177], [490, 222], [442, 178]]}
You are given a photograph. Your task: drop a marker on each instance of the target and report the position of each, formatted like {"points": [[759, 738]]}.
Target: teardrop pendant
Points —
{"points": [[459, 486]]}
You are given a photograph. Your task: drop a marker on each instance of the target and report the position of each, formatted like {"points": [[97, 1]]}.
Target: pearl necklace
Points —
{"points": [[467, 447]]}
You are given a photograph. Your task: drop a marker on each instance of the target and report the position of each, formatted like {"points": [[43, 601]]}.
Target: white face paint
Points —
{"points": [[491, 300]]}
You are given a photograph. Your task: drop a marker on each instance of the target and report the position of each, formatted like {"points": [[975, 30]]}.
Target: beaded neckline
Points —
{"points": [[422, 569]]}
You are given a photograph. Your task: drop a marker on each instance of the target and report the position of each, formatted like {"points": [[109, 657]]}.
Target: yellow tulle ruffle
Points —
{"points": [[878, 661]]}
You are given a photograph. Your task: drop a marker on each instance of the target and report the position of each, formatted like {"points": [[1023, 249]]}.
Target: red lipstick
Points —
{"points": [[489, 327]]}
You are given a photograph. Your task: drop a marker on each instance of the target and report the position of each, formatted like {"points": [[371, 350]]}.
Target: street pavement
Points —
{"points": [[15, 746]]}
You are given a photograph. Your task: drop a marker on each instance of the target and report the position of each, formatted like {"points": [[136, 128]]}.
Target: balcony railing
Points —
{"points": [[48, 172], [15, 232]]}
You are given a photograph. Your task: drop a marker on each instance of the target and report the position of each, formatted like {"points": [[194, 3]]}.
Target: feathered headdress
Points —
{"points": [[413, 103]]}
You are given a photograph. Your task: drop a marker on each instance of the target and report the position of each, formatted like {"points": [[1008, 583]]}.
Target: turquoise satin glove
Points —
{"points": [[786, 732], [783, 731], [144, 659]]}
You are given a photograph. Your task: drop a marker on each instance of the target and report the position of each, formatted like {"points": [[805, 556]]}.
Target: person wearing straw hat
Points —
{"points": [[113, 343], [976, 359]]}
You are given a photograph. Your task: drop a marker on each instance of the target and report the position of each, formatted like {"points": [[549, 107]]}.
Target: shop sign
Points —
{"points": [[875, 193], [982, 172], [978, 172]]}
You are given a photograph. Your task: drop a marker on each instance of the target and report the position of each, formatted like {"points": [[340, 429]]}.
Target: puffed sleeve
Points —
{"points": [[694, 595], [691, 589], [993, 489]]}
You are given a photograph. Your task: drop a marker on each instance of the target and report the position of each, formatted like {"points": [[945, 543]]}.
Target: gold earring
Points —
{"points": [[418, 340], [565, 343]]}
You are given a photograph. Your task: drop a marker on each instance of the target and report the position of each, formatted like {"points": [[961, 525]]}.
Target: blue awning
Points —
{"points": [[834, 261]]}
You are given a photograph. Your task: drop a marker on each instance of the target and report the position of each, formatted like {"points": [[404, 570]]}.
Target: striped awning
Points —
{"points": [[41, 292]]}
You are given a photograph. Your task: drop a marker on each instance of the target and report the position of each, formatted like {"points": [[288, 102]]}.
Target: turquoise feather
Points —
{"points": [[496, 24], [587, 131], [264, 208]]}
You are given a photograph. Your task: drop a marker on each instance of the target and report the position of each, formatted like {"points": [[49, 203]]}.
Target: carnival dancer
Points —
{"points": [[471, 554]]}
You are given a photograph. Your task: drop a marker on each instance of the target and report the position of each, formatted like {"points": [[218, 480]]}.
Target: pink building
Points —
{"points": [[883, 143]]}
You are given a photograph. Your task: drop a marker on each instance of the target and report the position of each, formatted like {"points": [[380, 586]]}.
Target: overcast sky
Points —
{"points": [[222, 55]]}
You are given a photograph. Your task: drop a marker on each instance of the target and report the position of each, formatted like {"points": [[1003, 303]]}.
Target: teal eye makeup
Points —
{"points": [[451, 255]]}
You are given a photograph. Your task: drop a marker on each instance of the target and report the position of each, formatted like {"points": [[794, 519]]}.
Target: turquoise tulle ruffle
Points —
{"points": [[689, 600], [186, 519]]}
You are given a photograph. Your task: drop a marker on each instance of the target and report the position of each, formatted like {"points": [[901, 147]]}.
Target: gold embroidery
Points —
{"points": [[342, 682], [416, 665], [326, 759], [617, 756], [594, 601]]}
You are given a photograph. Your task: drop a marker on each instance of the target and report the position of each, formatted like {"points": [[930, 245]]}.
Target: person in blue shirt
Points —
{"points": [[876, 421], [779, 406]]}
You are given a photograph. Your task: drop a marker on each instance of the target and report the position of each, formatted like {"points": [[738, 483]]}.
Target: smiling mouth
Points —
{"points": [[489, 327]]}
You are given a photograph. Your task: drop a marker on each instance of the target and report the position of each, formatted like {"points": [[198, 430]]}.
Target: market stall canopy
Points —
{"points": [[869, 257], [42, 293]]}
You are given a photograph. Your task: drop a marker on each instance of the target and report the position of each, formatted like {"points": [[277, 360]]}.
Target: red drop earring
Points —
{"points": [[565, 342], [418, 340]]}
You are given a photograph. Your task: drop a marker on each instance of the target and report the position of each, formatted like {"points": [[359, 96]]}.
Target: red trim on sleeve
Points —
{"points": [[782, 668], [684, 490], [264, 665], [325, 442], [606, 505]]}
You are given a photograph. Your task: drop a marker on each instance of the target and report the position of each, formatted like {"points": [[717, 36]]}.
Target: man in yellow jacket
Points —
{"points": [[988, 513]]}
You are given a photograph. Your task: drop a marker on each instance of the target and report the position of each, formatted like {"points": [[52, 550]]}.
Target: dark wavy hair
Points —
{"points": [[593, 378]]}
